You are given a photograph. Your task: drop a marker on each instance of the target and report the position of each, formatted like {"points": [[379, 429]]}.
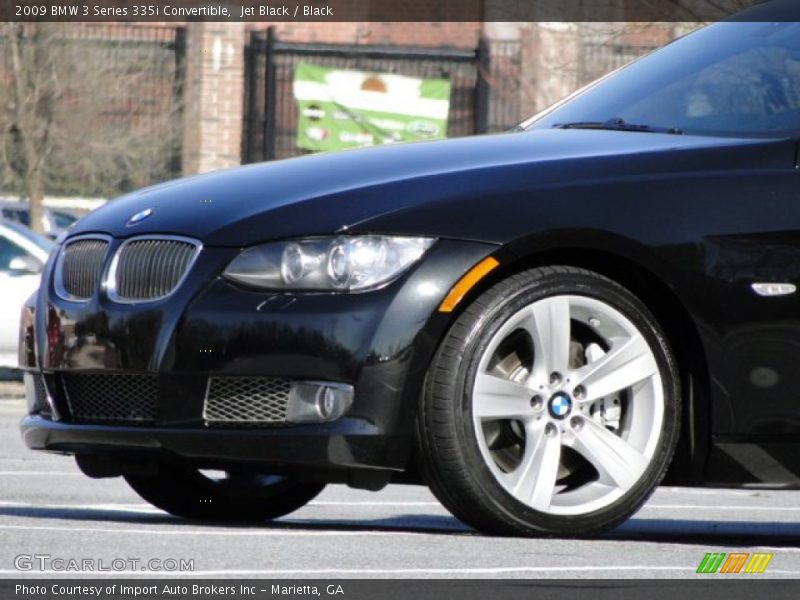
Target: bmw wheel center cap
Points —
{"points": [[560, 405]]}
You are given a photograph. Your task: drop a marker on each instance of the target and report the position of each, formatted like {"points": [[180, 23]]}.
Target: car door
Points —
{"points": [[20, 271]]}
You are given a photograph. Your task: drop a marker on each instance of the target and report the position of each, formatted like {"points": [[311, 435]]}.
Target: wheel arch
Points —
{"points": [[679, 327]]}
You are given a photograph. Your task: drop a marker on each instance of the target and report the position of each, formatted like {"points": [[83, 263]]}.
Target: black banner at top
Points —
{"points": [[397, 10]]}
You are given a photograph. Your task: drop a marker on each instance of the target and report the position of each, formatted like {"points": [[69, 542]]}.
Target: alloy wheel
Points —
{"points": [[567, 405]]}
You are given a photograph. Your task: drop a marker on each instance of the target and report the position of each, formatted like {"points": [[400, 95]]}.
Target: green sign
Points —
{"points": [[339, 109]]}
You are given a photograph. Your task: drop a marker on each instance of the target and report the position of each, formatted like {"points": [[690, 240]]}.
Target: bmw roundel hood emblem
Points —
{"points": [[139, 217]]}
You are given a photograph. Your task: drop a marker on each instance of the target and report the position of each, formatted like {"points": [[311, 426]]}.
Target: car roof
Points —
{"points": [[20, 205], [13, 204], [32, 241]]}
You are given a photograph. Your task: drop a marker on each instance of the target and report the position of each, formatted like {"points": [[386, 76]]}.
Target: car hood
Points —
{"points": [[350, 191]]}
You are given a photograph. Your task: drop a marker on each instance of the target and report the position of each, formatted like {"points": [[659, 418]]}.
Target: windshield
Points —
{"points": [[726, 79], [63, 220]]}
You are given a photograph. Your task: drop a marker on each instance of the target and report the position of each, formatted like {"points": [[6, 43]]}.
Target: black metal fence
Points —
{"points": [[487, 83], [269, 130], [270, 127]]}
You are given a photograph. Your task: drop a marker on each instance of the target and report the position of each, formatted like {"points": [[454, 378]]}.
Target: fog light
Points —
{"points": [[318, 402]]}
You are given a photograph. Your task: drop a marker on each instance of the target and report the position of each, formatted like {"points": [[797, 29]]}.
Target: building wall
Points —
{"points": [[452, 34], [213, 96]]}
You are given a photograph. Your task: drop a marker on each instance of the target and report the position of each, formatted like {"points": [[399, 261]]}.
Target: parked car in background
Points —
{"points": [[22, 257], [54, 222]]}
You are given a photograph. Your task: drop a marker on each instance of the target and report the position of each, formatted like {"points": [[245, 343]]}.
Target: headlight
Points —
{"points": [[345, 263]]}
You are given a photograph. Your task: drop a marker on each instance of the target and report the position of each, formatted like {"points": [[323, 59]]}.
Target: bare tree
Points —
{"points": [[33, 92], [87, 110]]}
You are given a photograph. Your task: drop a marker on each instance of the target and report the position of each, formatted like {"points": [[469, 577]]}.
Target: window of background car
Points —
{"points": [[18, 215], [63, 220], [728, 79], [39, 240]]}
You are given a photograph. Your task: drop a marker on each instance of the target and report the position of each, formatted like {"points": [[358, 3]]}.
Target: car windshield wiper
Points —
{"points": [[618, 124]]}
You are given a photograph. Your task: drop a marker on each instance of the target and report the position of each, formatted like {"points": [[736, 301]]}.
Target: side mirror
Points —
{"points": [[24, 265]]}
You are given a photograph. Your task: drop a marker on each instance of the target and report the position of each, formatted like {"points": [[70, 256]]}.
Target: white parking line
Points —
{"points": [[722, 507], [144, 506], [38, 473], [128, 507], [709, 492], [23, 454], [658, 506], [387, 504], [366, 503], [661, 490], [212, 532], [36, 462]]}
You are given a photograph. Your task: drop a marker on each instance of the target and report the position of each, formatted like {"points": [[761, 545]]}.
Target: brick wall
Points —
{"points": [[452, 34], [549, 54], [214, 96]]}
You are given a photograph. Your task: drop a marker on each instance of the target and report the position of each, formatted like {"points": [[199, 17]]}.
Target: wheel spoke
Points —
{"points": [[621, 368], [617, 462], [499, 398], [534, 480], [549, 327]]}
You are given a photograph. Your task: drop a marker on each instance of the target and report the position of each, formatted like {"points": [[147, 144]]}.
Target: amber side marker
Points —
{"points": [[467, 282]]}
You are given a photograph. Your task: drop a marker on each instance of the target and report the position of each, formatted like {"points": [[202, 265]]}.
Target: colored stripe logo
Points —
{"points": [[733, 563]]}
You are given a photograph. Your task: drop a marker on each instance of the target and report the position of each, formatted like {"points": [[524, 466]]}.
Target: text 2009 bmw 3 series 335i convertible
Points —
{"points": [[539, 325]]}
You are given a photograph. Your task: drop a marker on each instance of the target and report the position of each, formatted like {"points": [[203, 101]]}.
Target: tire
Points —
{"points": [[520, 432], [239, 497]]}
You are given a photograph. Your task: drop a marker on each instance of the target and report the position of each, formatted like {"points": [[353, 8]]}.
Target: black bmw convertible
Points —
{"points": [[540, 325]]}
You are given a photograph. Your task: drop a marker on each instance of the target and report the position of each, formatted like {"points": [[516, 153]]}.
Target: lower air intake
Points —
{"points": [[111, 398], [243, 401]]}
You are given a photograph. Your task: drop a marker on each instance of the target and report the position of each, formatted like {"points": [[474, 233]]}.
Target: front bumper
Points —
{"points": [[379, 342], [346, 444]]}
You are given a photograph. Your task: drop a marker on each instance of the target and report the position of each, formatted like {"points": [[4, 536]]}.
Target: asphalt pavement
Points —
{"points": [[47, 508]]}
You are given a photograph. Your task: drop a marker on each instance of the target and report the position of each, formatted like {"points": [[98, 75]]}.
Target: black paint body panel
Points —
{"points": [[706, 217], [381, 342]]}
